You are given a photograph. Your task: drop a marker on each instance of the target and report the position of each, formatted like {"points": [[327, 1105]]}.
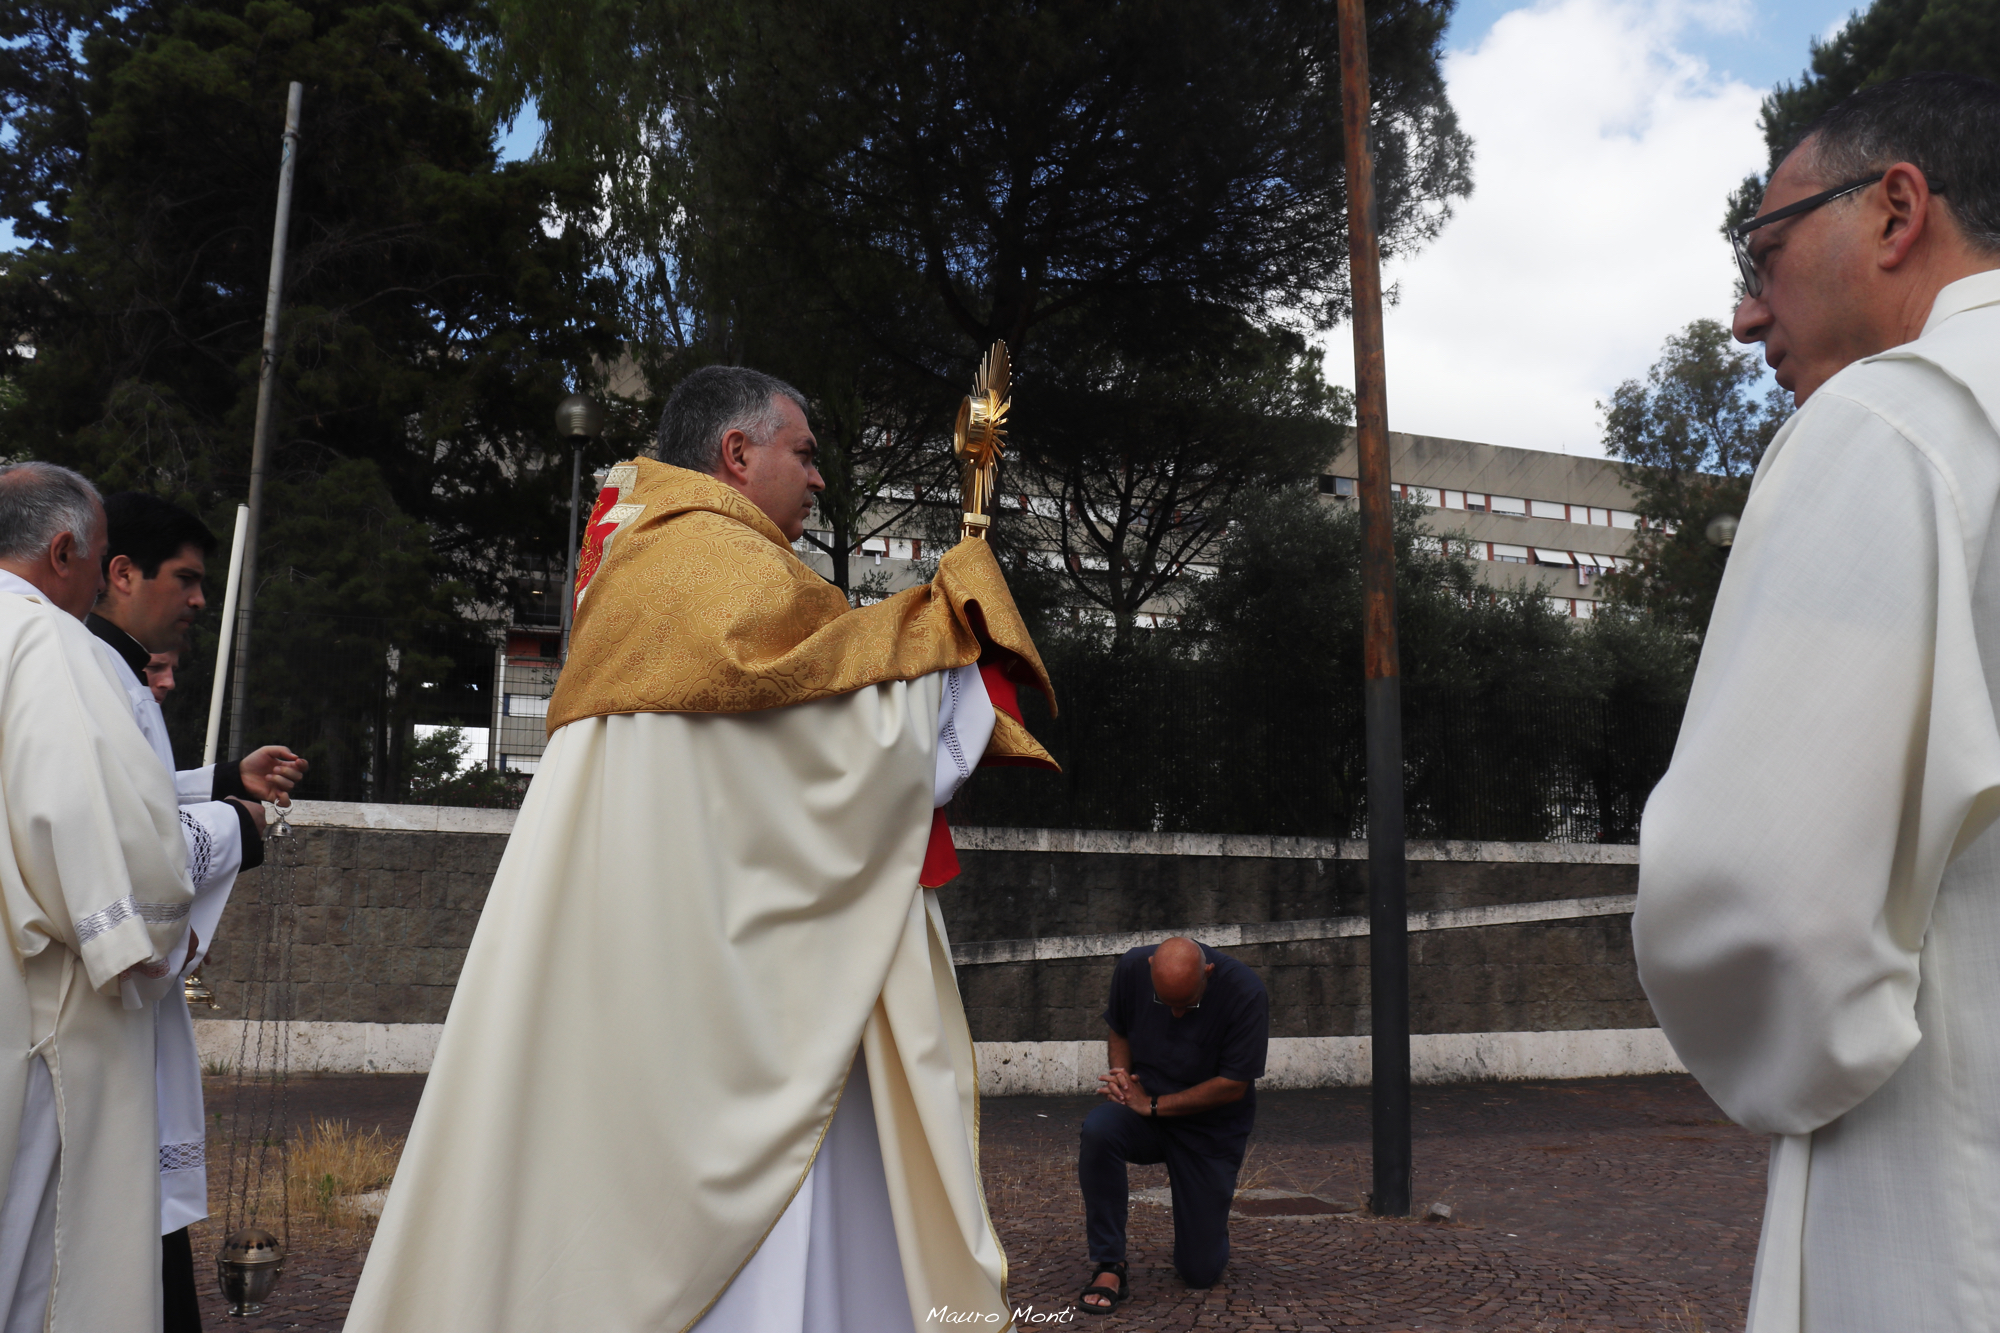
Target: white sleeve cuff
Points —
{"points": [[194, 785], [965, 724]]}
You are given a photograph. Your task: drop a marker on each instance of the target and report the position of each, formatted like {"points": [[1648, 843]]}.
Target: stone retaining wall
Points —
{"points": [[389, 897]]}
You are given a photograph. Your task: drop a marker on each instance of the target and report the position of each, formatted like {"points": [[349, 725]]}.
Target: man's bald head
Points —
{"points": [[1180, 973]]}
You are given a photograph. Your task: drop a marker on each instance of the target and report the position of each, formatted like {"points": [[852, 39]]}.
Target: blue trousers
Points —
{"points": [[1203, 1183]]}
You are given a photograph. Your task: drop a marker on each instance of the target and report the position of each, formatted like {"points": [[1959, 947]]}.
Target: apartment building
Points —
{"points": [[1550, 522]]}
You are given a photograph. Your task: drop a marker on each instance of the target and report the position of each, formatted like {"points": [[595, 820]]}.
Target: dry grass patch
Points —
{"points": [[332, 1163]]}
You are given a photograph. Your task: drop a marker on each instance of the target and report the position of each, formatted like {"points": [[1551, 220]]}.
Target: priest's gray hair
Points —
{"points": [[713, 401], [39, 500], [1945, 125]]}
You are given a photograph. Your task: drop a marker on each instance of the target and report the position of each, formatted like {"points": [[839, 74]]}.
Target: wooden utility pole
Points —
{"points": [[260, 440], [1388, 913]]}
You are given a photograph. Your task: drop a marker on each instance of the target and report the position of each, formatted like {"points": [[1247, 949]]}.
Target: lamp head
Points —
{"points": [[579, 417]]}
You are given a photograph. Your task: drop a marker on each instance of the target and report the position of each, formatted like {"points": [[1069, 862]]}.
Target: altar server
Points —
{"points": [[707, 1065], [153, 570], [94, 883], [1818, 925]]}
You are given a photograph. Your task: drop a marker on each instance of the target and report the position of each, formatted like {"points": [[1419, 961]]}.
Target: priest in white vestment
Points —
{"points": [[1818, 922], [154, 565], [96, 897], [707, 1064]]}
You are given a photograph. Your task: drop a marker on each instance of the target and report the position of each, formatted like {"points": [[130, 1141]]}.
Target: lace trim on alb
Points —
{"points": [[201, 849], [183, 1156]]}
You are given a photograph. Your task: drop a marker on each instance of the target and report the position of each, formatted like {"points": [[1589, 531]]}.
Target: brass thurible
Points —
{"points": [[977, 440], [199, 996], [248, 1269]]}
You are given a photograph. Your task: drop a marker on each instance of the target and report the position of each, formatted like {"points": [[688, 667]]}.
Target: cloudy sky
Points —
{"points": [[1608, 134]]}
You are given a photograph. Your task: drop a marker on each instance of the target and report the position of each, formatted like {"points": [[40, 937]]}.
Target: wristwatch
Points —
{"points": [[1156, 1108]]}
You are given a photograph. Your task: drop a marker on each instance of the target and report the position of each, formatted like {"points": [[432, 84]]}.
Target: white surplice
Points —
{"points": [[213, 833], [1818, 922], [93, 882]]}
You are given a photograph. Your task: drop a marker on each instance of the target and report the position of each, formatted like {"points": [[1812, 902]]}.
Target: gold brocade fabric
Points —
{"points": [[700, 606]]}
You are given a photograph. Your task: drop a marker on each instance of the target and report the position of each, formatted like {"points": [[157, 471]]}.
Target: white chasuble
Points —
{"points": [[93, 882], [1818, 924], [698, 922]]}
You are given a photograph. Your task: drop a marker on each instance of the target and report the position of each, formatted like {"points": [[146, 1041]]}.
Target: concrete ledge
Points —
{"points": [[1018, 1068], [1284, 932], [1066, 1068], [317, 1048], [460, 819], [401, 818], [1114, 842]]}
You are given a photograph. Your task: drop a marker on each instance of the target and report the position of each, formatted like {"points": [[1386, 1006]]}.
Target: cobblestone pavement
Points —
{"points": [[1580, 1206]]}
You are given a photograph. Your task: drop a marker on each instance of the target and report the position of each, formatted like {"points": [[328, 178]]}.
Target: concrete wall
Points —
{"points": [[384, 919], [1507, 939]]}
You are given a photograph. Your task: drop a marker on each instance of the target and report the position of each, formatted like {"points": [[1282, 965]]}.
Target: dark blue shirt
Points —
{"points": [[1225, 1036]]}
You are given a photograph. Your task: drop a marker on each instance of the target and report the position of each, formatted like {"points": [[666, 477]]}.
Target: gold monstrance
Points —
{"points": [[976, 440]]}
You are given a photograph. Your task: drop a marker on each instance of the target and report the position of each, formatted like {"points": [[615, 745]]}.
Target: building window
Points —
{"points": [[1508, 505], [524, 705], [1548, 509], [1512, 555], [1621, 519], [1454, 499], [1340, 486]]}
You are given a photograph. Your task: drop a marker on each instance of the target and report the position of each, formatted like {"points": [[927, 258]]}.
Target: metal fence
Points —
{"points": [[347, 692], [1153, 744], [1189, 748]]}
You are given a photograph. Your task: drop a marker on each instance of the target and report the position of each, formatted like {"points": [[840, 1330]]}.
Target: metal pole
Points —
{"points": [[1388, 918], [260, 440], [230, 589], [569, 567]]}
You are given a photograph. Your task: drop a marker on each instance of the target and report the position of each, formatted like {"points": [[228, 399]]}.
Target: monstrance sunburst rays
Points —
{"points": [[979, 437]]}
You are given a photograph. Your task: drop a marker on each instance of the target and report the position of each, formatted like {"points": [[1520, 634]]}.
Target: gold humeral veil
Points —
{"points": [[710, 900]]}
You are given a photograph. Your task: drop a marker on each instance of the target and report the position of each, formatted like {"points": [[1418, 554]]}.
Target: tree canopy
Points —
{"points": [[1128, 194], [1887, 40], [1691, 434], [435, 309], [430, 316]]}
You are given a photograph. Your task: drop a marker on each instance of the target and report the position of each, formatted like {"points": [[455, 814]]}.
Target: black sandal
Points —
{"points": [[1113, 1296]]}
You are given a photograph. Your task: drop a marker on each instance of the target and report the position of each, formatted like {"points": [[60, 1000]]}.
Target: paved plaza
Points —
{"points": [[1623, 1203]]}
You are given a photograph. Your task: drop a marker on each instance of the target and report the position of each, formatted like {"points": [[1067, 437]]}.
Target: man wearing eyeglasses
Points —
{"points": [[1189, 1026], [1818, 925]]}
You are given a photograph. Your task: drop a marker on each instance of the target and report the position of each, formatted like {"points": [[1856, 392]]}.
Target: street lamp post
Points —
{"points": [[579, 419]]}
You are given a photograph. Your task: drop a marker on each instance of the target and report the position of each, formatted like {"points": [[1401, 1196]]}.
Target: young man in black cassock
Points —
{"points": [[155, 561], [1189, 1026]]}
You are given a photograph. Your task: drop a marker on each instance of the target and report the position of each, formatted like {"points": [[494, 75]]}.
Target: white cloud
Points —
{"points": [[1604, 152]]}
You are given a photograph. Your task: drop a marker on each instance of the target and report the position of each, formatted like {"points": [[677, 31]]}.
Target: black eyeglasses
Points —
{"points": [[1746, 263]]}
